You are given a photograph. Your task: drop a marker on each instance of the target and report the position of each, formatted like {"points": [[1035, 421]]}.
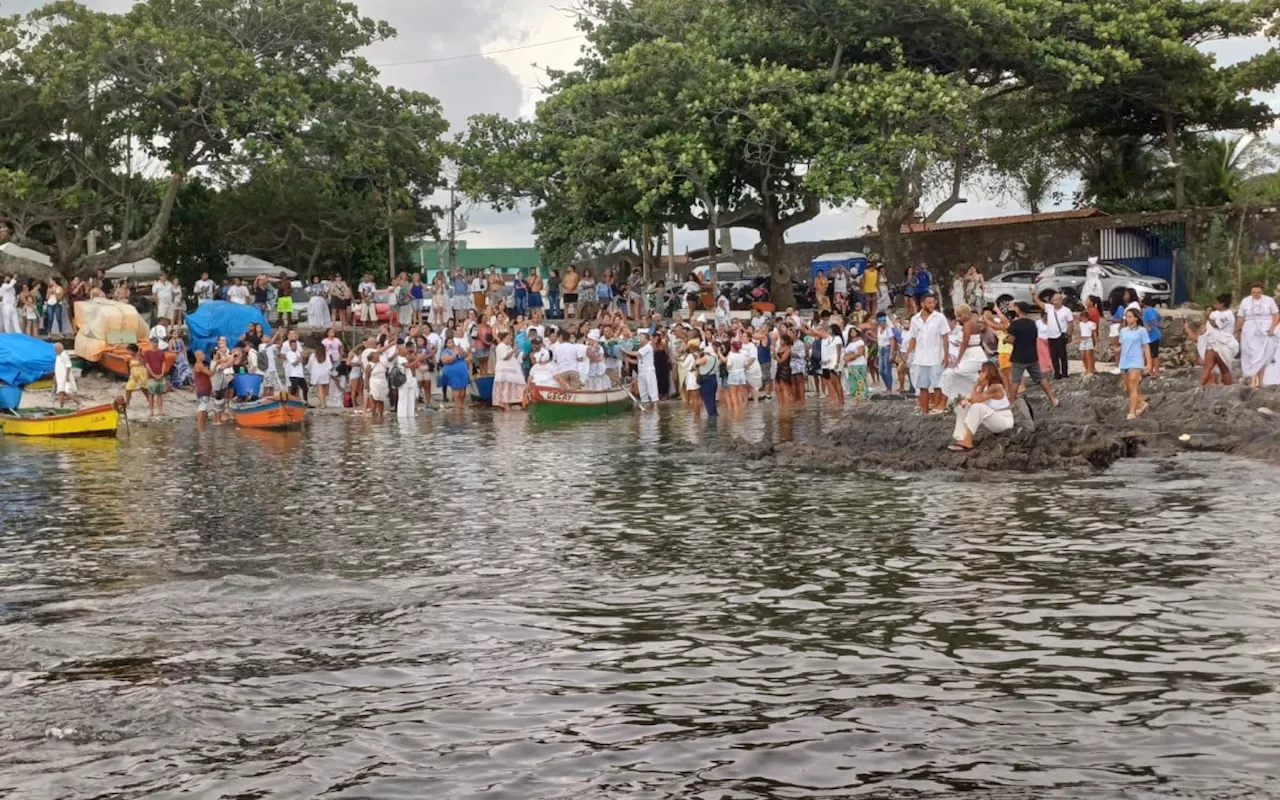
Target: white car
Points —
{"points": [[1009, 287]]}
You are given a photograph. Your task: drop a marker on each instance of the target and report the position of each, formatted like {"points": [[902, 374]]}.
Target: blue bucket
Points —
{"points": [[10, 396], [246, 385]]}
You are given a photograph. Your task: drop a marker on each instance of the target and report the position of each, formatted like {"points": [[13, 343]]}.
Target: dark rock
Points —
{"points": [[1088, 431]]}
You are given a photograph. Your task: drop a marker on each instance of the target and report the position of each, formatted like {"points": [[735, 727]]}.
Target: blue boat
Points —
{"points": [[482, 389]]}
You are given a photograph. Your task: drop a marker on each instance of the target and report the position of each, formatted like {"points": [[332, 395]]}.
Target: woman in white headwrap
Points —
{"points": [[1092, 281], [966, 361], [1256, 325]]}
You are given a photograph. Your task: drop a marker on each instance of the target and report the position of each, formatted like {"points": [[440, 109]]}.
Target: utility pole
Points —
{"points": [[453, 236]]}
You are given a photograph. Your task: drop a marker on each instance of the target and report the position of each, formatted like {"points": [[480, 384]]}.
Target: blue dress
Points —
{"points": [[456, 375], [1132, 340]]}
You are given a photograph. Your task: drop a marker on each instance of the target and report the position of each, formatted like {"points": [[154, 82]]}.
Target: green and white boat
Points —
{"points": [[548, 404]]}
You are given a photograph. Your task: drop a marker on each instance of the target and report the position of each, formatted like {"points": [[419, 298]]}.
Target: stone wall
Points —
{"points": [[1033, 245]]}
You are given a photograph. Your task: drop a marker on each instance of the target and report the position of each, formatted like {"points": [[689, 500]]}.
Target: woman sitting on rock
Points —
{"points": [[986, 407]]}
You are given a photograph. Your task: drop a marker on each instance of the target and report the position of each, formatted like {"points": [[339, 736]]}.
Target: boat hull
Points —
{"points": [[558, 405], [116, 360], [270, 414], [96, 421], [482, 390]]}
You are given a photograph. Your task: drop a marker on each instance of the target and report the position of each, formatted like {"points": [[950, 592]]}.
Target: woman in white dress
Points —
{"points": [[1216, 342], [967, 355], [318, 369], [406, 400], [318, 315], [723, 314], [508, 377], [543, 372], [379, 389], [1257, 324], [1093, 281]]}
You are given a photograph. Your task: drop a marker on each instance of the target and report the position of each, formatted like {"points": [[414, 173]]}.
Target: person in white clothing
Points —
{"points": [[318, 369], [238, 293], [1093, 275], [9, 322], [929, 332], [407, 397], [295, 367], [1257, 324], [205, 289], [966, 362], [646, 373], [987, 407], [63, 377], [755, 373], [565, 356], [162, 291]]}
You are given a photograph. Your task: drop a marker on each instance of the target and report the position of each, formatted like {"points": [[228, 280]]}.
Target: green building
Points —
{"points": [[432, 257]]}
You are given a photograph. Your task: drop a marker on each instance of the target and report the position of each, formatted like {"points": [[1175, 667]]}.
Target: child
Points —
{"points": [[30, 315], [1088, 342], [204, 389], [137, 376], [859, 315]]}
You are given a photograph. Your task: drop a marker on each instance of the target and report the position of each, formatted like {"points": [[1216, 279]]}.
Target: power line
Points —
{"points": [[480, 55]]}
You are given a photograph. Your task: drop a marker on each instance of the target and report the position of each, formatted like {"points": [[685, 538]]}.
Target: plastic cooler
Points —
{"points": [[246, 385]]}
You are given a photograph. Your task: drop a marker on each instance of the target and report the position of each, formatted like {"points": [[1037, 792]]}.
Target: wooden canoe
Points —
{"points": [[272, 413], [547, 404], [115, 360], [96, 421]]}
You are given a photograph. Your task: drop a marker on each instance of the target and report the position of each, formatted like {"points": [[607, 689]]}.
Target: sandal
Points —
{"points": [[958, 448]]}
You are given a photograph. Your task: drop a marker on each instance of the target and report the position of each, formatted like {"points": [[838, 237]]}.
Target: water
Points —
{"points": [[476, 609]]}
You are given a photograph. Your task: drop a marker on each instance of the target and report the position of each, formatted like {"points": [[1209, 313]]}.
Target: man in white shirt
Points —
{"points": [[162, 291], [368, 310], [929, 330], [238, 293], [204, 289], [295, 370], [646, 373], [564, 357], [1057, 323], [159, 336]]}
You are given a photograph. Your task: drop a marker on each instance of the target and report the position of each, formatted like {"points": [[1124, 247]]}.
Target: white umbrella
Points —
{"points": [[146, 268], [240, 265]]}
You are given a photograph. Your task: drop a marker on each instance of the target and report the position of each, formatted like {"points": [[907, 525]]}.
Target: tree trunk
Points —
{"points": [[774, 236], [1175, 155], [645, 253], [892, 253], [76, 262], [713, 251], [315, 256]]}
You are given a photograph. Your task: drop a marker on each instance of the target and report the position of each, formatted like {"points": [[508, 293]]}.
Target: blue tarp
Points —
{"points": [[24, 359], [220, 318], [853, 262]]}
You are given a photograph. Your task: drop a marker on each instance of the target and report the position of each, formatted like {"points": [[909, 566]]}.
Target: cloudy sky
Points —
{"points": [[435, 52]]}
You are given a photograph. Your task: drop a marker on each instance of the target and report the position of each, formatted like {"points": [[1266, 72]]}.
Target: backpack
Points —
{"points": [[396, 377]]}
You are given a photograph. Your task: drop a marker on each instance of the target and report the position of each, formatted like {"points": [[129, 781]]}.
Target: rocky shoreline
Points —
{"points": [[1089, 431]]}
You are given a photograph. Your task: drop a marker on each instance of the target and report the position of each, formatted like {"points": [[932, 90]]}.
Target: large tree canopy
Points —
{"points": [[95, 105], [750, 112]]}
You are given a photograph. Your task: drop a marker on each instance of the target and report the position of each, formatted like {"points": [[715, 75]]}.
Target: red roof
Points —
{"points": [[992, 222]]}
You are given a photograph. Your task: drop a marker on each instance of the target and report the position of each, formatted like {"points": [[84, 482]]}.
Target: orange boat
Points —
{"points": [[272, 413], [115, 360]]}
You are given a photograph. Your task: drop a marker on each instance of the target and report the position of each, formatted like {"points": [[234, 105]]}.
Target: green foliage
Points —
{"points": [[236, 91]]}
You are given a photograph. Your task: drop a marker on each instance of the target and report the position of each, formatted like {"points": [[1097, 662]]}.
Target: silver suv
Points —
{"points": [[1068, 278]]}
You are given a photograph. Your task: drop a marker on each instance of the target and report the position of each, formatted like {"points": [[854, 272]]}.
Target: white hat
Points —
{"points": [[643, 332], [594, 336], [1093, 260], [702, 319]]}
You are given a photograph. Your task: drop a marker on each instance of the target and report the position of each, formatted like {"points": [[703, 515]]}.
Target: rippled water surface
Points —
{"points": [[477, 608]]}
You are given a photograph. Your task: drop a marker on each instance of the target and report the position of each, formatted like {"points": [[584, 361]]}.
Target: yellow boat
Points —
{"points": [[97, 421]]}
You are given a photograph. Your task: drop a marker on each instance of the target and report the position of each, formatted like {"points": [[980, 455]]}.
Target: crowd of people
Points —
{"points": [[577, 331]]}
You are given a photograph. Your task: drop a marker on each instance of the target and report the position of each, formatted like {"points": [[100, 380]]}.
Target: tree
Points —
{"points": [[182, 87], [1176, 90]]}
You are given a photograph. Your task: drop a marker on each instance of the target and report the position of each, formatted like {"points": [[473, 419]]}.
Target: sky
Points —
{"points": [[435, 52]]}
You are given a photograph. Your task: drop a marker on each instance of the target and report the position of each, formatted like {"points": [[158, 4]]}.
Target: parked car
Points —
{"points": [[1009, 287], [381, 306], [1068, 278]]}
